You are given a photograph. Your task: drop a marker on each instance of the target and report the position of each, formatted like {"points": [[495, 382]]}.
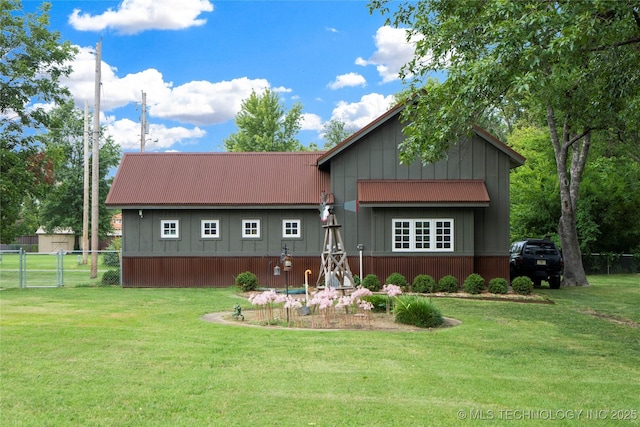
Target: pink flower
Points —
{"points": [[292, 303], [392, 290], [365, 305], [360, 292]]}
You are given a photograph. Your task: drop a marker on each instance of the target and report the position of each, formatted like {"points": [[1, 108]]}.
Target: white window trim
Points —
{"points": [[432, 235], [210, 236], [170, 221], [245, 235], [297, 229]]}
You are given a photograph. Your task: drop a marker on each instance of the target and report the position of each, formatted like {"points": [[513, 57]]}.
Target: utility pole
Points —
{"points": [[143, 122], [85, 203], [95, 164]]}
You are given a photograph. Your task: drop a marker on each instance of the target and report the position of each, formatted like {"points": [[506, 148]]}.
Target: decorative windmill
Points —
{"points": [[335, 265]]}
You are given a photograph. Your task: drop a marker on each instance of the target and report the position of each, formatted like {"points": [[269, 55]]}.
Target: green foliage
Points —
{"points": [[448, 283], [356, 280], [474, 284], [247, 281], [263, 125], [534, 190], [112, 259], [522, 285], [379, 302], [32, 63], [417, 311], [65, 146], [335, 131], [498, 285], [371, 282], [111, 278], [606, 218], [398, 280], [423, 283], [582, 55]]}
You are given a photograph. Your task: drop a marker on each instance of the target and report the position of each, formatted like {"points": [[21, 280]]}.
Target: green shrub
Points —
{"points": [[371, 282], [498, 285], [110, 278], [398, 280], [379, 302], [112, 259], [522, 285], [418, 311], [473, 284], [448, 283], [423, 283], [356, 280], [247, 281]]}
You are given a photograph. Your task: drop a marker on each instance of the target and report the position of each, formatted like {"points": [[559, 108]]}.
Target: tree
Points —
{"points": [[572, 64], [63, 205], [336, 131], [263, 125], [535, 204], [607, 218], [32, 61]]}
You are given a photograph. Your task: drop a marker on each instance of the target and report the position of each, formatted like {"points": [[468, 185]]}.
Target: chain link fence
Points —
{"points": [[610, 263], [21, 269]]}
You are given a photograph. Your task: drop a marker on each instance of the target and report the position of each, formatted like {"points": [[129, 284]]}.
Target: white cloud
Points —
{"points": [[393, 51], [135, 16], [281, 89], [361, 113], [127, 134], [196, 102], [347, 80], [311, 122], [203, 102]]}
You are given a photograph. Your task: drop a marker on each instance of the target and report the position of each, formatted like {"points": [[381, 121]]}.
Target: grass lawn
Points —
{"points": [[95, 356]]}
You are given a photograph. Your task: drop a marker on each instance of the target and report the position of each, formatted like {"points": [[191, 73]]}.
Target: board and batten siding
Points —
{"points": [[142, 237], [376, 156]]}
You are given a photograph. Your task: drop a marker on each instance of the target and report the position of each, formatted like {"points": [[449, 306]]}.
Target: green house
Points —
{"points": [[200, 219]]}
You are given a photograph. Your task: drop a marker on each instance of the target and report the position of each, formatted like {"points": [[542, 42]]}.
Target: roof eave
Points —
{"points": [[447, 204]]}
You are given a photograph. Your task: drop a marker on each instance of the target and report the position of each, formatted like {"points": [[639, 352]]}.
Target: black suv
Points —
{"points": [[538, 259]]}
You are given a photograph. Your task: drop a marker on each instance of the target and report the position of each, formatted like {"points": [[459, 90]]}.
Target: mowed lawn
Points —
{"points": [[91, 356]]}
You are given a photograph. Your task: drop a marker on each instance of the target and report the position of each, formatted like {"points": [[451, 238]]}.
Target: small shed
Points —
{"points": [[60, 238]]}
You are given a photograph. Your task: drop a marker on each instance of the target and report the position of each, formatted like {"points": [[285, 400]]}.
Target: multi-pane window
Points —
{"points": [[169, 228], [209, 228], [444, 234], [290, 228], [251, 228], [422, 235]]}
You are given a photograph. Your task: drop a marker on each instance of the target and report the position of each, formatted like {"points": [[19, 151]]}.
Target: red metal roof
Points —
{"points": [[218, 179], [421, 191]]}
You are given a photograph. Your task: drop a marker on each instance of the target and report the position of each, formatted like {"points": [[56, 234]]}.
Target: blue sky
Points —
{"points": [[196, 60]]}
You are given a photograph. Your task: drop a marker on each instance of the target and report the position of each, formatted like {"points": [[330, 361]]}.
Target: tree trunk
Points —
{"points": [[569, 182]]}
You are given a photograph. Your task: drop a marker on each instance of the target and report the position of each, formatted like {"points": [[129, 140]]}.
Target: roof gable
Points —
{"points": [[394, 114], [218, 179]]}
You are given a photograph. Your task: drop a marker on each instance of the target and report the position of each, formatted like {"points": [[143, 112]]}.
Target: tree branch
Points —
{"points": [[622, 43], [578, 137]]}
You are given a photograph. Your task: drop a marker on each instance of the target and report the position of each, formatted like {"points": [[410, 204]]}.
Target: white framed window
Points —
{"points": [[169, 228], [422, 235], [210, 228], [251, 228], [291, 228]]}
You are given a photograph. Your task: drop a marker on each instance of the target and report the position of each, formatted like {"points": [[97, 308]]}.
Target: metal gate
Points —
{"points": [[22, 269]]}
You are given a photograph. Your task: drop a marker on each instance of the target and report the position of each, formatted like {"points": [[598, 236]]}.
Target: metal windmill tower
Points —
{"points": [[335, 265]]}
